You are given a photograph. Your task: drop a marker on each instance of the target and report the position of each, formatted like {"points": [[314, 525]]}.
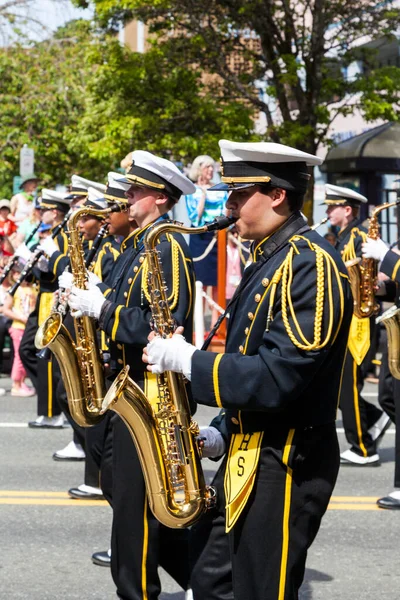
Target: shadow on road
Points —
{"points": [[310, 576]]}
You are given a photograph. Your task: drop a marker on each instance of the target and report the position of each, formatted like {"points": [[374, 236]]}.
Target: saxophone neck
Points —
{"points": [[373, 227], [158, 229]]}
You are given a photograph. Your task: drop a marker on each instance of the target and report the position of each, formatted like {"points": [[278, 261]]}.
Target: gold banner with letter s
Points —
{"points": [[359, 338], [244, 452]]}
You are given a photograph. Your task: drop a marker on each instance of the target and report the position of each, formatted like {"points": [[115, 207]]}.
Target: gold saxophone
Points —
{"points": [[363, 272], [165, 440], [80, 362], [391, 320]]}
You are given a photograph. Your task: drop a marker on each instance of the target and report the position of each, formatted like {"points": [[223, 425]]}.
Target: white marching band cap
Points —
{"points": [[264, 163], [154, 172], [338, 195], [50, 199], [95, 198], [115, 191], [79, 186]]}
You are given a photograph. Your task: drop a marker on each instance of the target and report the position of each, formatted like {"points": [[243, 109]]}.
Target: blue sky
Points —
{"points": [[57, 12], [50, 13]]}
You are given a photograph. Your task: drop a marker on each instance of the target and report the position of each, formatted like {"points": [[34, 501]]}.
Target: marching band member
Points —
{"points": [[287, 335], [364, 423], [139, 542], [101, 267], [43, 373], [389, 265]]}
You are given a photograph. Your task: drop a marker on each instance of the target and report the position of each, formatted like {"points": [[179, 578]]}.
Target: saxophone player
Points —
{"points": [[278, 384], [104, 259], [44, 374], [139, 542], [389, 265], [363, 422]]}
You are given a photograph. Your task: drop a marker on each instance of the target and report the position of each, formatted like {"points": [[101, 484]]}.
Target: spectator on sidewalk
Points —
{"points": [[204, 206], [18, 308], [22, 203]]}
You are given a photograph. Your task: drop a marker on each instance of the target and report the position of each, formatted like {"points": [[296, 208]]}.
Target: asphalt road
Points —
{"points": [[47, 539]]}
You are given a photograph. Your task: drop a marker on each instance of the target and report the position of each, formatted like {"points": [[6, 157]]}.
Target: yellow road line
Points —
{"points": [[354, 499], [33, 497], [53, 502], [33, 494], [352, 506]]}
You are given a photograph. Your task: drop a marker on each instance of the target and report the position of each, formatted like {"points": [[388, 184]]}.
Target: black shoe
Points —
{"points": [[388, 502], [102, 559], [83, 495]]}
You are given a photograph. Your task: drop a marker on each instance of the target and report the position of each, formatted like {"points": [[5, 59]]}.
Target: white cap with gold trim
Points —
{"points": [[264, 163], [154, 172], [340, 196]]}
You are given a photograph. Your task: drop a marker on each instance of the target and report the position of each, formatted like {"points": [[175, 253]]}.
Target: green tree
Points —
{"points": [[296, 51], [136, 100], [83, 101], [42, 98]]}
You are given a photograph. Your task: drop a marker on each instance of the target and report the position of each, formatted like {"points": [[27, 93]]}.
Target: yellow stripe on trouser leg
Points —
{"points": [[357, 410], [49, 388], [241, 467], [145, 549], [286, 516]]}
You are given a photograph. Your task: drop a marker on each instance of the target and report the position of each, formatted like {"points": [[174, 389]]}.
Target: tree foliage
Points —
{"points": [[137, 100], [83, 101], [297, 51], [42, 98]]}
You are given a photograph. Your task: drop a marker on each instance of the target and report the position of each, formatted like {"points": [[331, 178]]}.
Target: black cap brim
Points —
{"points": [[226, 187]]}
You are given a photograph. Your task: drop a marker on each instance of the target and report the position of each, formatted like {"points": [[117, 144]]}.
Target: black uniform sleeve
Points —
{"points": [[391, 265], [280, 371], [131, 325]]}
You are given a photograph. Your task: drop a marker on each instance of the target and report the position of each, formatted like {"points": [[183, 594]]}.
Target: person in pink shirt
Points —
{"points": [[18, 308]]}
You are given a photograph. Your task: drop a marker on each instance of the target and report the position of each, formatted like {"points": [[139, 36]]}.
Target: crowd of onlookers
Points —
{"points": [[18, 218]]}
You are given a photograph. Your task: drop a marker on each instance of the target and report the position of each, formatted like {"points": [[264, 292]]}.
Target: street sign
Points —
{"points": [[16, 183], [26, 161]]}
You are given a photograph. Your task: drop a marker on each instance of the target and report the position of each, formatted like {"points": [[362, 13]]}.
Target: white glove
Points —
{"points": [[23, 252], [214, 443], [86, 302], [65, 280], [48, 246], [376, 249], [43, 264], [172, 354], [93, 278]]}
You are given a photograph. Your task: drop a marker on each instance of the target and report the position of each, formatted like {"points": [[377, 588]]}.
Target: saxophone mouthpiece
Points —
{"points": [[221, 223], [119, 207]]}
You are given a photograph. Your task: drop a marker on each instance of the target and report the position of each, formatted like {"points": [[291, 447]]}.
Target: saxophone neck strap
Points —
{"points": [[295, 225]]}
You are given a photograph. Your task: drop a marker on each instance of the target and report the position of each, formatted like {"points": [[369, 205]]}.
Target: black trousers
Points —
{"points": [[80, 435], [44, 374], [358, 414], [263, 557], [139, 543], [389, 399]]}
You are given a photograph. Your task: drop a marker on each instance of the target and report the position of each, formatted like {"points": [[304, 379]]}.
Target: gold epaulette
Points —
{"points": [[324, 263]]}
